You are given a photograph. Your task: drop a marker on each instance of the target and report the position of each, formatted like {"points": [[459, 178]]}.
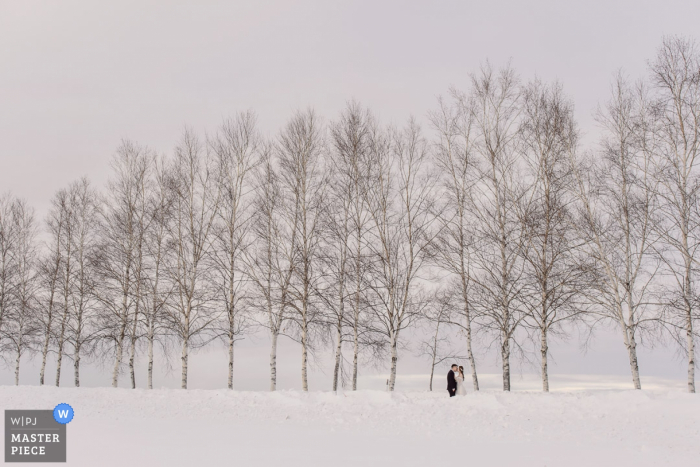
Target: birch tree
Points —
{"points": [[495, 105], [237, 147], [266, 263], [351, 136], [398, 194], [121, 254], [21, 327], [49, 277], [556, 277], [676, 78], [617, 204], [157, 255], [8, 245], [301, 149], [82, 298], [65, 201], [196, 198], [454, 153]]}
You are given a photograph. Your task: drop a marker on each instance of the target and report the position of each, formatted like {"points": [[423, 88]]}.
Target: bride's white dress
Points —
{"points": [[461, 388]]}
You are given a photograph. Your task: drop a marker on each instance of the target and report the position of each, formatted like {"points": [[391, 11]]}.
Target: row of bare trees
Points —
{"points": [[498, 225]]}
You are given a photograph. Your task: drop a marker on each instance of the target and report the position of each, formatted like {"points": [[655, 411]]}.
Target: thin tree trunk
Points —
{"points": [[47, 339], [230, 357], [432, 371], [690, 342], [691, 355], [338, 349], [273, 361], [470, 354], [76, 365], [183, 383], [355, 351], [358, 291], [61, 340], [432, 367], [304, 337], [118, 357], [150, 357], [394, 360], [185, 350], [543, 355], [19, 355], [505, 356], [631, 346], [132, 346], [120, 344]]}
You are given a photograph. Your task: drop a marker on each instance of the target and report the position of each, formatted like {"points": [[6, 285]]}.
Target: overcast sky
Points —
{"points": [[76, 77]]}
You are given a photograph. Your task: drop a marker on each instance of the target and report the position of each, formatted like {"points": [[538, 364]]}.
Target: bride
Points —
{"points": [[461, 388]]}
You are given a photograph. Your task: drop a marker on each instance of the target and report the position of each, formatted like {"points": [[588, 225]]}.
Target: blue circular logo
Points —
{"points": [[63, 413]]}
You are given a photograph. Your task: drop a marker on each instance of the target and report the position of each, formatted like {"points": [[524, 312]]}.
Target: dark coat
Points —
{"points": [[451, 382]]}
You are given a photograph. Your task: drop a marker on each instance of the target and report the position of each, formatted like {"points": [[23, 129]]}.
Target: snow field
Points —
{"points": [[122, 427]]}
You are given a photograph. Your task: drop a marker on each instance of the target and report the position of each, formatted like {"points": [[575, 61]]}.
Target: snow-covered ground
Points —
{"points": [[121, 427]]}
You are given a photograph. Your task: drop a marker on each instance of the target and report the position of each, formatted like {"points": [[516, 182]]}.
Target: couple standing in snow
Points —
{"points": [[455, 381]]}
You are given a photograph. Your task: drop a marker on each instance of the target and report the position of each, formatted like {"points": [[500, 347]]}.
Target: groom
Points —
{"points": [[451, 381]]}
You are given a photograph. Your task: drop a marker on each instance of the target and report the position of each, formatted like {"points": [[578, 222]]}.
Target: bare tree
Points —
{"points": [[8, 245], [266, 263], [335, 261], [49, 275], [454, 154], [157, 289], [556, 278], [121, 254], [65, 201], [348, 220], [237, 146], [398, 192], [197, 195], [676, 108], [82, 301], [495, 105], [21, 327], [616, 202], [301, 148]]}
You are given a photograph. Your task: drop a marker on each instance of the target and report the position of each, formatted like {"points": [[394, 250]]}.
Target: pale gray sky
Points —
{"points": [[78, 76]]}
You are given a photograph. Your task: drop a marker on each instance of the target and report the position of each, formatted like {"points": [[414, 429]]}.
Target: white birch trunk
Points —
{"points": [[470, 354], [505, 357], [17, 360], [631, 346], [394, 360], [76, 365], [543, 356], [690, 341], [185, 345], [59, 357], [230, 358], [338, 348], [118, 360], [304, 357], [273, 362], [132, 347], [355, 351], [150, 357], [47, 339]]}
